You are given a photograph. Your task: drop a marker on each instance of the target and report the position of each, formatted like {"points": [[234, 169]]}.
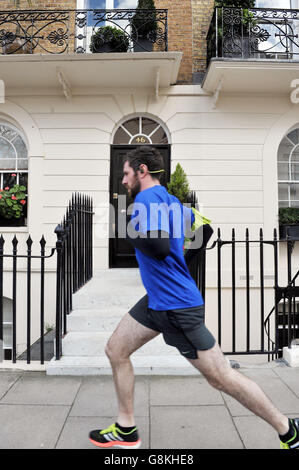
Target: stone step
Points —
{"points": [[93, 344], [96, 320], [99, 365], [110, 288]]}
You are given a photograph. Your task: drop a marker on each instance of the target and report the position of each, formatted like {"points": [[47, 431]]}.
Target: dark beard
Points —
{"points": [[135, 190]]}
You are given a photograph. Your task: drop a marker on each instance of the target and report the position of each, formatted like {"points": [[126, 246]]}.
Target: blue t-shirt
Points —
{"points": [[168, 282]]}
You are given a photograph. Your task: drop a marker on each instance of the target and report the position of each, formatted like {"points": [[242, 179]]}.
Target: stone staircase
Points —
{"points": [[97, 309]]}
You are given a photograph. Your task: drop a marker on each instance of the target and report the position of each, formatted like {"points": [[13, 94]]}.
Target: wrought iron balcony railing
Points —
{"points": [[255, 33], [82, 31]]}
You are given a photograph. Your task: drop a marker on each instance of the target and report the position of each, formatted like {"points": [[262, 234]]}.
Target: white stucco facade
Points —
{"points": [[228, 148]]}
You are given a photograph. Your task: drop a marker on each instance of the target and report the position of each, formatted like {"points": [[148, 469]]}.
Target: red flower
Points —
{"points": [[23, 201], [7, 188], [13, 174], [13, 197], [1, 190], [0, 197]]}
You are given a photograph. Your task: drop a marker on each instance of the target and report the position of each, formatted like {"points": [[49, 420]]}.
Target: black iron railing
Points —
{"points": [[67, 31], [255, 33], [15, 256], [74, 269], [281, 325], [74, 260]]}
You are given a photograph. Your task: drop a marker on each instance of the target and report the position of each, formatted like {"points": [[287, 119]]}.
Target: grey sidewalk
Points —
{"points": [[39, 411]]}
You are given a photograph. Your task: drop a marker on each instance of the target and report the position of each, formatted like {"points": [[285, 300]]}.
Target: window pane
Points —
{"points": [[22, 164], [20, 147], [6, 150], [23, 179], [159, 137], [7, 164], [270, 4], [127, 4], [285, 149], [295, 156], [121, 137], [295, 172], [94, 5], [294, 191], [148, 126], [283, 194], [283, 171], [9, 180], [132, 126], [294, 137]]}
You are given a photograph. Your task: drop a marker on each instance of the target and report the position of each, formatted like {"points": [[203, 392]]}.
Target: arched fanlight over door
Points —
{"points": [[140, 131]]}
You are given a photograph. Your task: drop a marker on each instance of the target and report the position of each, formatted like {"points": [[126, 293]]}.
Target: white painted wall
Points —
{"points": [[229, 154]]}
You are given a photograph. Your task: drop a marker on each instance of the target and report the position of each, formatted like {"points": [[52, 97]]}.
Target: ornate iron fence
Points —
{"points": [[66, 31], [74, 260], [248, 322], [74, 269], [255, 33]]}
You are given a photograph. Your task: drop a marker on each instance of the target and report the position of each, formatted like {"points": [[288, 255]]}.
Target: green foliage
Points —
{"points": [[12, 202], [178, 185], [141, 26], [235, 3], [288, 215], [114, 37]]}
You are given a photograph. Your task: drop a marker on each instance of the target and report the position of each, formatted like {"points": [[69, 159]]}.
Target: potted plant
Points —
{"points": [[13, 43], [144, 26], [240, 43], [12, 205], [109, 39], [178, 185], [288, 223]]}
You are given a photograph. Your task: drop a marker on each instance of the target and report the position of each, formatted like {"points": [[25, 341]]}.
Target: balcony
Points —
{"points": [[255, 50], [49, 47]]}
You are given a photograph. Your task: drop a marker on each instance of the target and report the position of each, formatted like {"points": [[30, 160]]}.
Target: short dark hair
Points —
{"points": [[146, 155]]}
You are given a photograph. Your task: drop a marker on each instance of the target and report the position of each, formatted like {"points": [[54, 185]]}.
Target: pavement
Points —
{"points": [[38, 411]]}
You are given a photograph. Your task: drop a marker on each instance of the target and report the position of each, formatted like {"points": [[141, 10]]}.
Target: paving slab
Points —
{"points": [[97, 397], [36, 388], [173, 391], [76, 430], [256, 433], [31, 426], [290, 376], [7, 379], [278, 392], [193, 427]]}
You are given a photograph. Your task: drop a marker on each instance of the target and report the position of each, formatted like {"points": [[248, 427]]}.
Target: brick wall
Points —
{"points": [[180, 33], [202, 11]]}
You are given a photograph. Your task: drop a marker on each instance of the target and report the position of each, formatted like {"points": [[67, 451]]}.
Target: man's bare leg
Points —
{"points": [[213, 365], [129, 336]]}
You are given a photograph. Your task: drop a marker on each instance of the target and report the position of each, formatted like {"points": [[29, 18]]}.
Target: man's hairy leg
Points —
{"points": [[214, 366], [127, 338]]}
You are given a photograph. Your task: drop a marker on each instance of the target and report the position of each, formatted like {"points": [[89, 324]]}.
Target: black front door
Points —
{"points": [[121, 252]]}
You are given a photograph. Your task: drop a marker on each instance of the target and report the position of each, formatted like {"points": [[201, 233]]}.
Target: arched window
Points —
{"points": [[13, 158], [140, 130], [288, 170]]}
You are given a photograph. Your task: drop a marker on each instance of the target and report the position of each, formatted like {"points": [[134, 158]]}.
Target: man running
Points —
{"points": [[174, 307]]}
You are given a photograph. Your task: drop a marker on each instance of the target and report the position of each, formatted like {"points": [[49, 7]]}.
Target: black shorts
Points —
{"points": [[182, 328]]}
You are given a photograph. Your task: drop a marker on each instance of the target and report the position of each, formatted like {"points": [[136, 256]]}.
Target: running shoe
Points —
{"points": [[292, 443], [114, 437]]}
